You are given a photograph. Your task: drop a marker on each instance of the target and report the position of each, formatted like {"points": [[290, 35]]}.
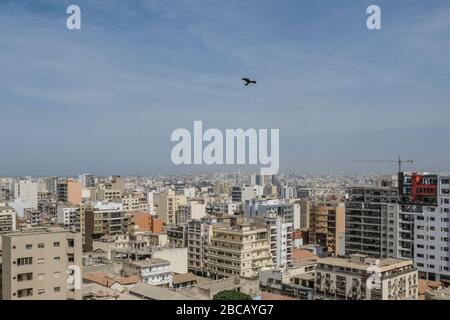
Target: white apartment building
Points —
{"points": [[287, 192], [432, 236], [280, 236], [154, 271], [27, 191], [69, 217], [289, 211]]}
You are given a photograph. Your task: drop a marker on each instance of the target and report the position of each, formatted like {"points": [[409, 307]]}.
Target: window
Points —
{"points": [[41, 276], [70, 243], [41, 246], [24, 261], [56, 289], [25, 276], [40, 260], [56, 259], [25, 292], [41, 291], [29, 246], [57, 274], [56, 244]]}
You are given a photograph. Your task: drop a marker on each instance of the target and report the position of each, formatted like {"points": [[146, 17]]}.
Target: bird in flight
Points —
{"points": [[248, 81]]}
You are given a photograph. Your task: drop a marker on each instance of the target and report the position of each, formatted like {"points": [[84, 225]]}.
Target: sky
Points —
{"points": [[105, 99]]}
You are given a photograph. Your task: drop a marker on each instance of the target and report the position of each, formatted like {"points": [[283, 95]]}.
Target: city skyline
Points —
{"points": [[105, 99]]}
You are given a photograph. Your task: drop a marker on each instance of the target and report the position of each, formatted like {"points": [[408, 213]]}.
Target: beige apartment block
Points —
{"points": [[36, 264], [327, 224], [7, 218], [241, 250], [354, 278], [166, 205], [135, 202]]}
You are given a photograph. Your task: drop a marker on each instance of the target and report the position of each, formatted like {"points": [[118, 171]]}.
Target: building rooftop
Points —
{"points": [[273, 296], [301, 254], [148, 262], [183, 277], [36, 231], [441, 294], [148, 291], [362, 262]]}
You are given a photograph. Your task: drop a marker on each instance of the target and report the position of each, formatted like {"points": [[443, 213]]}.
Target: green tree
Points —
{"points": [[231, 295]]}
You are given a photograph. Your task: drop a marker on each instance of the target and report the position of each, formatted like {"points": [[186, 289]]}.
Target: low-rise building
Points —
{"points": [[156, 272]]}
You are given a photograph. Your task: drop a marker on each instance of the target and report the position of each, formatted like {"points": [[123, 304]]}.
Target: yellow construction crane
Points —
{"points": [[399, 161]]}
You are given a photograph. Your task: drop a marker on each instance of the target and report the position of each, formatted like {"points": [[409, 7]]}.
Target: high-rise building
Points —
{"points": [[238, 251], [280, 237], [37, 263], [369, 221], [424, 227], [327, 224], [199, 233]]}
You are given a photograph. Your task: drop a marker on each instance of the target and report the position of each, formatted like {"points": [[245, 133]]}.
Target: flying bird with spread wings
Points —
{"points": [[248, 81]]}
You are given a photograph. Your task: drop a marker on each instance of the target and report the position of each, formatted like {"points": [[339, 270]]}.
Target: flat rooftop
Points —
{"points": [[148, 262], [362, 262]]}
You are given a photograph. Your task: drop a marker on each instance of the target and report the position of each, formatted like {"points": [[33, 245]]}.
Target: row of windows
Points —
{"points": [[29, 276], [431, 238], [29, 260], [56, 244], [431, 257], [431, 266], [29, 292]]}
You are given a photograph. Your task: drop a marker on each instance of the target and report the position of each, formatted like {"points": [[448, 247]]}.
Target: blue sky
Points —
{"points": [[105, 99]]}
